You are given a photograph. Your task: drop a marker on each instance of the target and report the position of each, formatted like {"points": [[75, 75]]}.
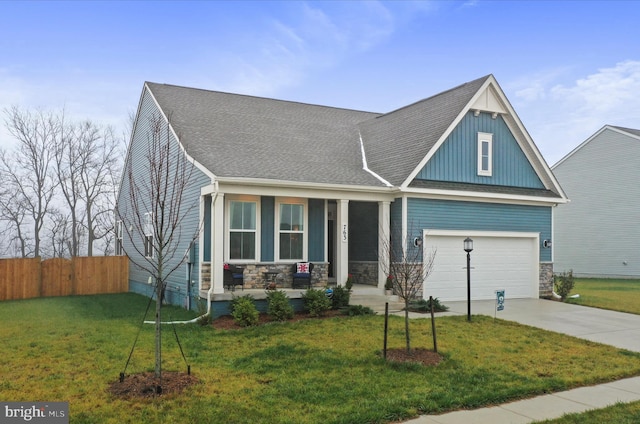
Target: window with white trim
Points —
{"points": [[119, 238], [148, 235], [242, 230], [485, 154], [291, 228]]}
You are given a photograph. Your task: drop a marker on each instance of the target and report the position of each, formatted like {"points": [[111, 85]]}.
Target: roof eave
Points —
{"points": [[485, 197]]}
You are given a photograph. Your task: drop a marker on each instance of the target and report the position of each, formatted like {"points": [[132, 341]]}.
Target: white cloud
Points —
{"points": [[560, 116], [316, 38]]}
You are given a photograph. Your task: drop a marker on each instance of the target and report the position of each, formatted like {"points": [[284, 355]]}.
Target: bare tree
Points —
{"points": [[13, 214], [87, 164], [154, 220], [60, 243], [27, 171], [408, 269], [68, 163]]}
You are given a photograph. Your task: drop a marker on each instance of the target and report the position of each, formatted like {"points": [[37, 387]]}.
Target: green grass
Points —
{"points": [[617, 295], [329, 371], [620, 413]]}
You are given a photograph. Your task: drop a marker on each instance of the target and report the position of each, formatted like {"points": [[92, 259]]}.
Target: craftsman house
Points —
{"points": [[278, 183], [596, 234]]}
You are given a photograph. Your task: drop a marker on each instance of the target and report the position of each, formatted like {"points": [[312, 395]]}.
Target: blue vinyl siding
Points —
{"points": [[363, 231], [267, 208], [456, 160], [316, 230], [176, 282], [456, 215]]}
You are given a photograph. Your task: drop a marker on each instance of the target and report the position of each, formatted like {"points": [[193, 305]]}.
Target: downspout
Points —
{"points": [[210, 291]]}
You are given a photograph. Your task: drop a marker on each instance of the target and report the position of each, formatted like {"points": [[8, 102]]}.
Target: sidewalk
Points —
{"points": [[543, 407]]}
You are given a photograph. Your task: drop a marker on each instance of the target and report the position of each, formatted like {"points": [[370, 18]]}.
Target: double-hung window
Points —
{"points": [[242, 230], [148, 235], [291, 231], [119, 238], [485, 154]]}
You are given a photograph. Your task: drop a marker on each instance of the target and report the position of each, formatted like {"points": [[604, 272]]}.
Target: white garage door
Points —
{"points": [[499, 261]]}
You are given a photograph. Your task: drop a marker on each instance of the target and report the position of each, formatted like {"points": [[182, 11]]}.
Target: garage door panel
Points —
{"points": [[497, 263]]}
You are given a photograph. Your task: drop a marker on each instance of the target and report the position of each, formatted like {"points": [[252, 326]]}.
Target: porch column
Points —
{"points": [[217, 244], [384, 234], [342, 248]]}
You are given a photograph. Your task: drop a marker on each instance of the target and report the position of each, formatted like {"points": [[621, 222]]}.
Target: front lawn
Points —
{"points": [[312, 371], [618, 295]]}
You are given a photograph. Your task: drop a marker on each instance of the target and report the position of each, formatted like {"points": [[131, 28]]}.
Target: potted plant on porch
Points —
{"points": [[388, 285]]}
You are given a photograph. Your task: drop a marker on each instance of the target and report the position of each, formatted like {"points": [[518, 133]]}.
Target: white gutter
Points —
{"points": [[366, 167]]}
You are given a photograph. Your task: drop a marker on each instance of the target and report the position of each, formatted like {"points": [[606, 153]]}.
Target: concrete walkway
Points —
{"points": [[602, 326]]}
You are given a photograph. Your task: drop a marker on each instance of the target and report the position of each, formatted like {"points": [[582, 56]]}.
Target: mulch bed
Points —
{"points": [[422, 356], [144, 385], [226, 322]]}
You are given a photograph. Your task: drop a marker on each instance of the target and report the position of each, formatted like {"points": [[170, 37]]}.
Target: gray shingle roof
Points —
{"points": [[235, 135], [396, 142]]}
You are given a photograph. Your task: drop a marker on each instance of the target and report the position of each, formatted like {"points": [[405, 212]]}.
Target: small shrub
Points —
{"points": [[316, 302], [278, 306], [563, 284], [340, 297], [424, 305], [353, 310], [349, 283], [244, 311]]}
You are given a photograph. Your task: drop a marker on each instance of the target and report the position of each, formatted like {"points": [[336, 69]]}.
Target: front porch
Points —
{"points": [[361, 294]]}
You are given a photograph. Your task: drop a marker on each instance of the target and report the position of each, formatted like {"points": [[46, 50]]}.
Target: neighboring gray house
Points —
{"points": [[597, 233], [280, 182]]}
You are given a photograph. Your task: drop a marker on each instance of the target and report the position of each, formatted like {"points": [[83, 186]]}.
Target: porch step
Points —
{"points": [[376, 302]]}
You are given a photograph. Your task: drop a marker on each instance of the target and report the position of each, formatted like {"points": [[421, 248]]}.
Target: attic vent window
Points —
{"points": [[485, 154]]}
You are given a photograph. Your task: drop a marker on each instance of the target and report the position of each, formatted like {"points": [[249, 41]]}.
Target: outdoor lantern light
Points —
{"points": [[468, 247]]}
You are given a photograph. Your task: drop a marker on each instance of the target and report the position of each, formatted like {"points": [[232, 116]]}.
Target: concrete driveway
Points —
{"points": [[613, 328]]}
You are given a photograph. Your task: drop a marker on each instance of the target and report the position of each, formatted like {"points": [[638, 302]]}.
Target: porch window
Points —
{"points": [[242, 230], [148, 235], [485, 154], [119, 237], [291, 231]]}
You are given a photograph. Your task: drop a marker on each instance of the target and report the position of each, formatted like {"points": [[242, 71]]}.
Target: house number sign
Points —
{"points": [[345, 233]]}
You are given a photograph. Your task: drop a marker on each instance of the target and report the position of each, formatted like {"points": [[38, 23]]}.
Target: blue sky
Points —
{"points": [[568, 68]]}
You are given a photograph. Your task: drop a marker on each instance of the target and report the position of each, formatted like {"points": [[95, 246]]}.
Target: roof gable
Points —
{"points": [[629, 132], [398, 145], [395, 143], [456, 159]]}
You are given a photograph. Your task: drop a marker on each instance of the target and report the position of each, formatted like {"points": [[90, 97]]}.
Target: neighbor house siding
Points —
{"points": [[598, 232], [456, 159], [457, 215], [176, 282]]}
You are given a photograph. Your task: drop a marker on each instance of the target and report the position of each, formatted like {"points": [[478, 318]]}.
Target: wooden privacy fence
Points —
{"points": [[30, 277]]}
